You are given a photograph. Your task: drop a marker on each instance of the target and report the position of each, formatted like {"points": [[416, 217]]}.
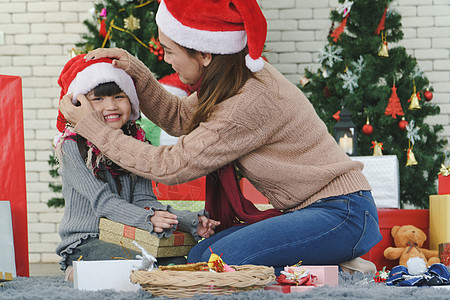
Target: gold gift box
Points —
{"points": [[178, 244]]}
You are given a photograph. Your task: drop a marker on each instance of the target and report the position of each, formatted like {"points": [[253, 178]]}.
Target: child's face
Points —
{"points": [[116, 109]]}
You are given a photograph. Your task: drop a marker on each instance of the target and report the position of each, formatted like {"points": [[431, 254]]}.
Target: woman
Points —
{"points": [[245, 112]]}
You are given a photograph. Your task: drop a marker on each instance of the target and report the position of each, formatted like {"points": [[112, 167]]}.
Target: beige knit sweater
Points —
{"points": [[269, 129]]}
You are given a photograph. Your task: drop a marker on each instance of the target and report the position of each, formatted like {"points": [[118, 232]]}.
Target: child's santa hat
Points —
{"points": [[173, 84], [217, 27], [80, 77]]}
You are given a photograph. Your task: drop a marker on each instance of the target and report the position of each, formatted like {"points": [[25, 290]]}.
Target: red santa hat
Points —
{"points": [[216, 26], [80, 77], [173, 84]]}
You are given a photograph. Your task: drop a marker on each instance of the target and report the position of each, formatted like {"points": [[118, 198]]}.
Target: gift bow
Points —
{"points": [[296, 278], [444, 171]]}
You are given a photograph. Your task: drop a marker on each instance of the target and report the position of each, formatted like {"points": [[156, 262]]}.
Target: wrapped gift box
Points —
{"points": [[12, 166], [443, 184], [388, 218], [178, 244], [326, 275], [105, 274], [444, 253], [439, 220], [251, 193], [193, 190], [383, 175]]}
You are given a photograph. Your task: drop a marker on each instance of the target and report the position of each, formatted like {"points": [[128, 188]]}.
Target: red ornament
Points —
{"points": [[326, 92], [337, 116], [394, 107], [402, 124], [428, 95], [367, 129], [156, 48]]}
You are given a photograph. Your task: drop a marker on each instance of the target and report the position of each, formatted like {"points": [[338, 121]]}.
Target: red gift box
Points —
{"points": [[12, 166], [444, 253], [389, 218], [192, 191], [443, 184]]}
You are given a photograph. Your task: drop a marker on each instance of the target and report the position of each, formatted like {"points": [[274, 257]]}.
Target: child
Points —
{"points": [[95, 187]]}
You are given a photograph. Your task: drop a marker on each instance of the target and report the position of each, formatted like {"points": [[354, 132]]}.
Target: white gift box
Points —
{"points": [[105, 274], [383, 175], [7, 257]]}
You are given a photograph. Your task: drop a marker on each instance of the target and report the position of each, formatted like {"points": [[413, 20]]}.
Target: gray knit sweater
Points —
{"points": [[87, 199]]}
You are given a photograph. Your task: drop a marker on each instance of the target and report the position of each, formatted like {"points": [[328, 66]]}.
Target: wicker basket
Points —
{"points": [[185, 284]]}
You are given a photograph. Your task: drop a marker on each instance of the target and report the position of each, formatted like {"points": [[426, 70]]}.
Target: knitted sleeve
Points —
{"points": [[144, 197], [170, 112]]}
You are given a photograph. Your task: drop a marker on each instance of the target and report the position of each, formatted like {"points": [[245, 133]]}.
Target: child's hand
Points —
{"points": [[206, 226], [162, 220]]}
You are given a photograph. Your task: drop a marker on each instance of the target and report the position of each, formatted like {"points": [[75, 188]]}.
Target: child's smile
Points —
{"points": [[116, 109]]}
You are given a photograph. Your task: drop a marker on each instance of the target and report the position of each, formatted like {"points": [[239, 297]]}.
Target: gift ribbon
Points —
{"points": [[178, 238], [444, 171], [129, 232]]}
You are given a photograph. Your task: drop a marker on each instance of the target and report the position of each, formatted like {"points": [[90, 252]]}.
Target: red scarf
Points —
{"points": [[225, 202]]}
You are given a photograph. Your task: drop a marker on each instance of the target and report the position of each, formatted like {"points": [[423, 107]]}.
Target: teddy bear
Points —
{"points": [[408, 241]]}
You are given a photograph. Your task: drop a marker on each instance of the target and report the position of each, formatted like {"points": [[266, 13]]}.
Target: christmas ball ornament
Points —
{"points": [[402, 124], [428, 95], [367, 129], [326, 92]]}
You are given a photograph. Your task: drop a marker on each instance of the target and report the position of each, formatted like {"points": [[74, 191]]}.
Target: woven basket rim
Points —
{"points": [[246, 277]]}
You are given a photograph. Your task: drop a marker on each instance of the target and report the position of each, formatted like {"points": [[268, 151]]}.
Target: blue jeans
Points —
{"points": [[328, 232]]}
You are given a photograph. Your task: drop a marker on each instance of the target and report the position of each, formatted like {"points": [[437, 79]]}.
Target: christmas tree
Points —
{"points": [[129, 25], [384, 90]]}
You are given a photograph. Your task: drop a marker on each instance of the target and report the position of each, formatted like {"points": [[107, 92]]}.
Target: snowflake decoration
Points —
{"points": [[350, 80], [412, 132], [359, 65], [345, 8], [132, 23], [330, 56], [416, 72]]}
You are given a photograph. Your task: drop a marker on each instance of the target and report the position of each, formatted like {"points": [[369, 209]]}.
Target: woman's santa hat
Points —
{"points": [[216, 26], [80, 77]]}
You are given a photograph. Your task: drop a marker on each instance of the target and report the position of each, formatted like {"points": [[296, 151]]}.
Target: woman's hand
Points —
{"points": [[72, 113], [119, 56], [162, 220], [206, 226]]}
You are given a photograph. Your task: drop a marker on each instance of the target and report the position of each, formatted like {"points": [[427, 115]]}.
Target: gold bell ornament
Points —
{"points": [[414, 100], [410, 157], [377, 148], [384, 47]]}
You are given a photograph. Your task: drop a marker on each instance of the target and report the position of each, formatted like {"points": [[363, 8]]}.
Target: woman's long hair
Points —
{"points": [[221, 79]]}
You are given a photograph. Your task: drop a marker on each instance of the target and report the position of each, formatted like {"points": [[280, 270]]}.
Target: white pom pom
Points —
{"points": [[416, 266], [254, 65]]}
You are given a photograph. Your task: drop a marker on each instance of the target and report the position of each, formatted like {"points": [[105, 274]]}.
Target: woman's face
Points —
{"points": [[116, 109], [188, 68]]}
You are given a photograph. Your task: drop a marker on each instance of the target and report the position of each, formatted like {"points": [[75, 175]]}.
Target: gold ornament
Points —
{"points": [[415, 97], [384, 47], [411, 159], [304, 81], [132, 23], [377, 147]]}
